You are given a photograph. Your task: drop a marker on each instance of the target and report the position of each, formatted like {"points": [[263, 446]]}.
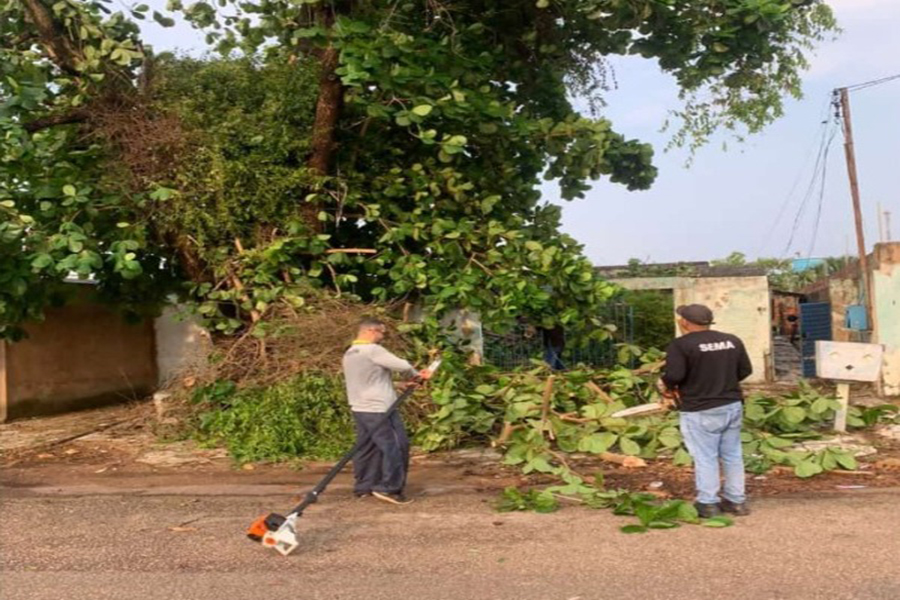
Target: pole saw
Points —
{"points": [[280, 532]]}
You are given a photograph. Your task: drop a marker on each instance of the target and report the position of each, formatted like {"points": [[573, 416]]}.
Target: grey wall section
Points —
{"points": [[181, 345], [741, 306], [81, 355]]}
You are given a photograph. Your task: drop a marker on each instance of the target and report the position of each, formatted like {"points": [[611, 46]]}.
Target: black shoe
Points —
{"points": [[398, 498], [734, 508], [707, 511]]}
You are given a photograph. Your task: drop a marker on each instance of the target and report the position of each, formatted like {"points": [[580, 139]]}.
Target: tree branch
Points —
{"points": [[75, 116]]}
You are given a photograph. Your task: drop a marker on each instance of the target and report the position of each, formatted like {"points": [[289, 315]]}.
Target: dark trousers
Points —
{"points": [[382, 463]]}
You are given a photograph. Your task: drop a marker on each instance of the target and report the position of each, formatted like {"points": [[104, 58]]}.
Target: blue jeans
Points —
{"points": [[710, 436]]}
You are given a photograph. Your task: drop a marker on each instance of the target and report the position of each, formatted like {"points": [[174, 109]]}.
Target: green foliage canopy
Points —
{"points": [[417, 132]]}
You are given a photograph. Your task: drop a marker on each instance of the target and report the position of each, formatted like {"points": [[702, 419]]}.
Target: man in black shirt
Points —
{"points": [[703, 371]]}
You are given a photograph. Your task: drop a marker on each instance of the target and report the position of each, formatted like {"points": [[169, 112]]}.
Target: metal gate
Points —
{"points": [[815, 324]]}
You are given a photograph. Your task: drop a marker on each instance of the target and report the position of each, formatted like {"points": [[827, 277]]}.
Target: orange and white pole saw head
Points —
{"points": [[276, 531]]}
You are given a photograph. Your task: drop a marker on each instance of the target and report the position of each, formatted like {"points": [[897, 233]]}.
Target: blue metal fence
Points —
{"points": [[815, 324]]}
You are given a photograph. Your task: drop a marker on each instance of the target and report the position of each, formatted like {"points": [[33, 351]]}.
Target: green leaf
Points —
{"points": [[794, 414], [540, 464], [687, 512], [629, 447], [662, 525], [778, 442], [423, 110], [597, 443], [807, 468], [42, 261], [633, 529], [544, 4], [670, 439], [821, 405], [69, 190], [717, 522], [847, 461], [682, 458]]}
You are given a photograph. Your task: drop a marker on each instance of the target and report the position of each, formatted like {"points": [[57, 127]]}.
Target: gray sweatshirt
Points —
{"points": [[367, 372]]}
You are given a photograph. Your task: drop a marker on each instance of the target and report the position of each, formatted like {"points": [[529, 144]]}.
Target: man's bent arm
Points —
{"points": [[386, 359]]}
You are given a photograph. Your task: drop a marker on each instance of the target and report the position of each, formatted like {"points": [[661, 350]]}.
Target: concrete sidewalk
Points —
{"points": [[188, 543]]}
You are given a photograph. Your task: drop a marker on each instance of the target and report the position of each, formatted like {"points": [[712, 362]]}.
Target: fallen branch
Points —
{"points": [[571, 418], [599, 391], [545, 407], [650, 367], [562, 459], [351, 251], [508, 429]]}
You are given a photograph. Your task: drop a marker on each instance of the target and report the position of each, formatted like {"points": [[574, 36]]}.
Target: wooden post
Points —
{"points": [[854, 193], [840, 417]]}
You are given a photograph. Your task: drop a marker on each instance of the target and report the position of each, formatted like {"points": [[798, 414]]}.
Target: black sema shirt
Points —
{"points": [[705, 367]]}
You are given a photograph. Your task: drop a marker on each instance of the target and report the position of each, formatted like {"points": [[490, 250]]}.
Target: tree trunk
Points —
{"points": [[53, 38], [328, 110]]}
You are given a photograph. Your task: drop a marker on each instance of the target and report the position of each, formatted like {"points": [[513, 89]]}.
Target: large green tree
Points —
{"points": [[389, 149]]}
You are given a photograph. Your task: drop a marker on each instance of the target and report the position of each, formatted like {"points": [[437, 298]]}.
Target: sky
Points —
{"points": [[750, 198]]}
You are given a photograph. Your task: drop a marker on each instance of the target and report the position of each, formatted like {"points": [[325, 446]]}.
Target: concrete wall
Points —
{"points": [[885, 265], [741, 306], [841, 294], [83, 354]]}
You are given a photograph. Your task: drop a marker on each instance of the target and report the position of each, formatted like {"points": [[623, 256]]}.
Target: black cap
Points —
{"points": [[696, 314]]}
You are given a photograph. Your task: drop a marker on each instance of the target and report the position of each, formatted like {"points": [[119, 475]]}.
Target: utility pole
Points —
{"points": [[854, 193], [880, 226], [887, 226]]}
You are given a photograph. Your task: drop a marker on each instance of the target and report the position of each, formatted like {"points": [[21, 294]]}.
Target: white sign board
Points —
{"points": [[848, 361]]}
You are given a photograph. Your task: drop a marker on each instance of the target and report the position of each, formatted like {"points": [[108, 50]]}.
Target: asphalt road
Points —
{"points": [[188, 543]]}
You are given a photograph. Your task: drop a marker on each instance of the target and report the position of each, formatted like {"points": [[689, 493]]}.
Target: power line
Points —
{"points": [[872, 83], [814, 182], [812, 243], [787, 199]]}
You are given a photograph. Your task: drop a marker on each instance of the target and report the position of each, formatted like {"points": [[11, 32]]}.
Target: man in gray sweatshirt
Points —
{"points": [[380, 466]]}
